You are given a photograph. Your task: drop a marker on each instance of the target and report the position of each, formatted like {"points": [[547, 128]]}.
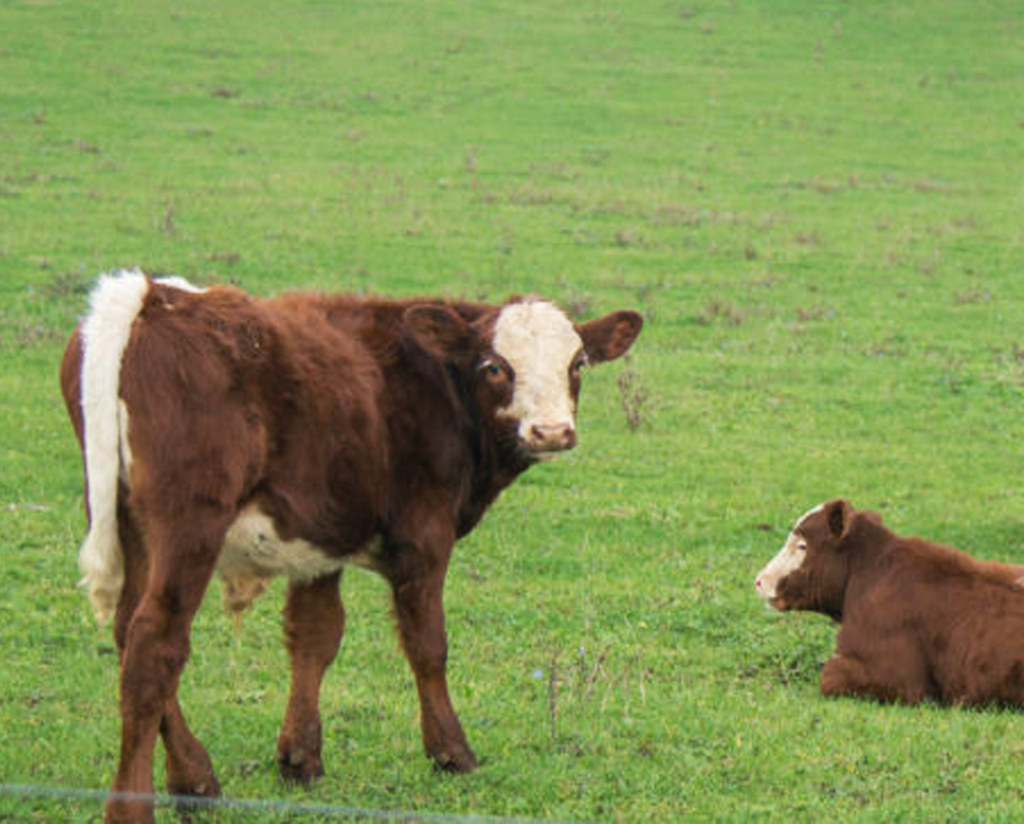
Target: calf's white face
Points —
{"points": [[789, 559], [542, 348]]}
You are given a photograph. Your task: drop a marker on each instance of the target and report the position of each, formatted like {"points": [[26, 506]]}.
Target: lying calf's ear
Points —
{"points": [[438, 330], [871, 517], [610, 337], [839, 515]]}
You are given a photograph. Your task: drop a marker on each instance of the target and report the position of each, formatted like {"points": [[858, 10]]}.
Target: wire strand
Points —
{"points": [[277, 807]]}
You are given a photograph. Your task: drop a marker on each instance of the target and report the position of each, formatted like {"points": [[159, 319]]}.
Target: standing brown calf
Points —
{"points": [[920, 621], [295, 436]]}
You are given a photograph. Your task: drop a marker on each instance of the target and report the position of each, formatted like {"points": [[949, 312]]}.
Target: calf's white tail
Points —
{"points": [[114, 305]]}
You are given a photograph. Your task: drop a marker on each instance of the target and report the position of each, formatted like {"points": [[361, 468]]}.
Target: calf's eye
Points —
{"points": [[492, 369]]}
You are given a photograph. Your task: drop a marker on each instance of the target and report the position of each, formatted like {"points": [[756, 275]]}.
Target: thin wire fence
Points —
{"points": [[30, 802]]}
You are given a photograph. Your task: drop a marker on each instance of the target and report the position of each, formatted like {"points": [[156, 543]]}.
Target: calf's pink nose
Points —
{"points": [[552, 436]]}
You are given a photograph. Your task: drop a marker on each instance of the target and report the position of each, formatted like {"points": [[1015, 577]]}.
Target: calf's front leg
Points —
{"points": [[895, 676], [844, 675], [419, 609]]}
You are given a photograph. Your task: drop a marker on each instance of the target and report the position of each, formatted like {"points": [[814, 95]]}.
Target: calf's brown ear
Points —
{"points": [[439, 330], [839, 514], [610, 337]]}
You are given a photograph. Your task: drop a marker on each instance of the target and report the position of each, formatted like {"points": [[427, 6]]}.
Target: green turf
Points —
{"points": [[818, 206]]}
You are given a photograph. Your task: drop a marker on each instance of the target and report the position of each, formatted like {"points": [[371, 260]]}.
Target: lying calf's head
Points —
{"points": [[811, 569]]}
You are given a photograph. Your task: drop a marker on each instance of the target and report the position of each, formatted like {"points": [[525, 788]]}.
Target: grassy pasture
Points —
{"points": [[817, 205]]}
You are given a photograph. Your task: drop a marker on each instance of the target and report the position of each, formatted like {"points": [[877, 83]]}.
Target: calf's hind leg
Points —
{"points": [[314, 622], [189, 769], [155, 648]]}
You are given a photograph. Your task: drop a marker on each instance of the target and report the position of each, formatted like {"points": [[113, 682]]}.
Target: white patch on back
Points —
{"points": [[114, 305], [788, 559], [177, 282], [539, 343], [253, 553]]}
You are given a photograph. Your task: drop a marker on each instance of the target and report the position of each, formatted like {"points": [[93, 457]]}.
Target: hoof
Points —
{"points": [[461, 760], [299, 768], [207, 787], [125, 812], [185, 811]]}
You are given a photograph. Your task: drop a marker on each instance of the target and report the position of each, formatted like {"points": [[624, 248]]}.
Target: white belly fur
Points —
{"points": [[254, 553]]}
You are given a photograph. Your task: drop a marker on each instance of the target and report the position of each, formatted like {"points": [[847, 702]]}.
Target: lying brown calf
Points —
{"points": [[919, 620]]}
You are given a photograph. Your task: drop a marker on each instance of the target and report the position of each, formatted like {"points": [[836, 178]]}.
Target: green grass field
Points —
{"points": [[819, 208]]}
